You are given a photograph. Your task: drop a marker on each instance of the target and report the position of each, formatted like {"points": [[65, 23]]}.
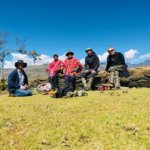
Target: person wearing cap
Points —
{"points": [[115, 65], [54, 68], [18, 81], [72, 69], [90, 69]]}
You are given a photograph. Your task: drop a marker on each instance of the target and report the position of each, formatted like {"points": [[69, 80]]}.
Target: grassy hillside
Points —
{"points": [[109, 120], [38, 72], [140, 71], [33, 72]]}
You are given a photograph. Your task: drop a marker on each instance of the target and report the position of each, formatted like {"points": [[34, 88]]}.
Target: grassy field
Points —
{"points": [[111, 120]]}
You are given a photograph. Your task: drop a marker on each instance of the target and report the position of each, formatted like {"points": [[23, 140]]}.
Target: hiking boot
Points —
{"points": [[116, 88], [108, 84], [81, 93], [11, 95], [86, 88], [90, 83], [75, 93], [84, 83], [52, 92], [69, 94]]}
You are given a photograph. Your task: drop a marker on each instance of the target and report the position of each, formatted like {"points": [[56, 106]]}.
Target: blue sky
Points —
{"points": [[56, 26]]}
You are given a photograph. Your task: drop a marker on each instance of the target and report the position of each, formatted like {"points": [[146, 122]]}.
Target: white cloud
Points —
{"points": [[130, 54], [103, 57], [145, 56], [62, 57], [9, 64], [82, 61], [16, 57], [45, 59]]}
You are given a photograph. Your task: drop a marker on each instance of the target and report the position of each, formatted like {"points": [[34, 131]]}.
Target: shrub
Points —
{"points": [[3, 84]]}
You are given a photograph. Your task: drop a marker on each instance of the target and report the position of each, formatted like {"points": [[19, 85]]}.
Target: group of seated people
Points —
{"points": [[70, 67]]}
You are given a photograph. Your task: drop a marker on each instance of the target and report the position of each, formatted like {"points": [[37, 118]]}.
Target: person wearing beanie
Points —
{"points": [[90, 69]]}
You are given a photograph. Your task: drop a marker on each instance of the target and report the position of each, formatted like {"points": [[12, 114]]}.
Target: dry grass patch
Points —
{"points": [[108, 120]]}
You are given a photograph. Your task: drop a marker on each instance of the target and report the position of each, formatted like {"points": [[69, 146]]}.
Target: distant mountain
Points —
{"points": [[38, 71], [130, 65], [33, 72], [142, 64]]}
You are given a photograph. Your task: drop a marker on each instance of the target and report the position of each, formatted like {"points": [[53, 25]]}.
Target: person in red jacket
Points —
{"points": [[53, 69], [73, 68]]}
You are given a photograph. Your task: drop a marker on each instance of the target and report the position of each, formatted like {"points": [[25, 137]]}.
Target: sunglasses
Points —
{"points": [[109, 51]]}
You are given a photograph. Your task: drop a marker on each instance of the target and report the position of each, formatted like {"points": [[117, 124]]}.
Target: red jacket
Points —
{"points": [[54, 67], [73, 66]]}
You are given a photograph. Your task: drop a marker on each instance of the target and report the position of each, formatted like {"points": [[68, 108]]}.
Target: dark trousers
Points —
{"points": [[70, 83], [54, 81], [69, 86]]}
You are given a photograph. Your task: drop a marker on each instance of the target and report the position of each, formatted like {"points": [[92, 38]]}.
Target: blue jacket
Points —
{"points": [[13, 81]]}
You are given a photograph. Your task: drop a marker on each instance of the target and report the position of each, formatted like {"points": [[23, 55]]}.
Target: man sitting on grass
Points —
{"points": [[18, 81]]}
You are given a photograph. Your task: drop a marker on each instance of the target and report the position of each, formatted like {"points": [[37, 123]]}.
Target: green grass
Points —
{"points": [[112, 120]]}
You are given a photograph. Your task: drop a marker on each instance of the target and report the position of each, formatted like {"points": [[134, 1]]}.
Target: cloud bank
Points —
{"points": [[130, 56]]}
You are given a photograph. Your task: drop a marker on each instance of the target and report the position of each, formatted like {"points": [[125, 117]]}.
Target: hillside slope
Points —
{"points": [[38, 72]]}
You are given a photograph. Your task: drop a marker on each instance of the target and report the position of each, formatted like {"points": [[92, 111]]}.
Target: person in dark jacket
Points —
{"points": [[91, 67], [115, 65], [18, 81]]}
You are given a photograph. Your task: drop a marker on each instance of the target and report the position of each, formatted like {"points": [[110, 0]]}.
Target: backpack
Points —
{"points": [[44, 87]]}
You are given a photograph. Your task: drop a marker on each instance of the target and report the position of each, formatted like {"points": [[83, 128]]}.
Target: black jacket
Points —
{"points": [[118, 60], [13, 81], [92, 62]]}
